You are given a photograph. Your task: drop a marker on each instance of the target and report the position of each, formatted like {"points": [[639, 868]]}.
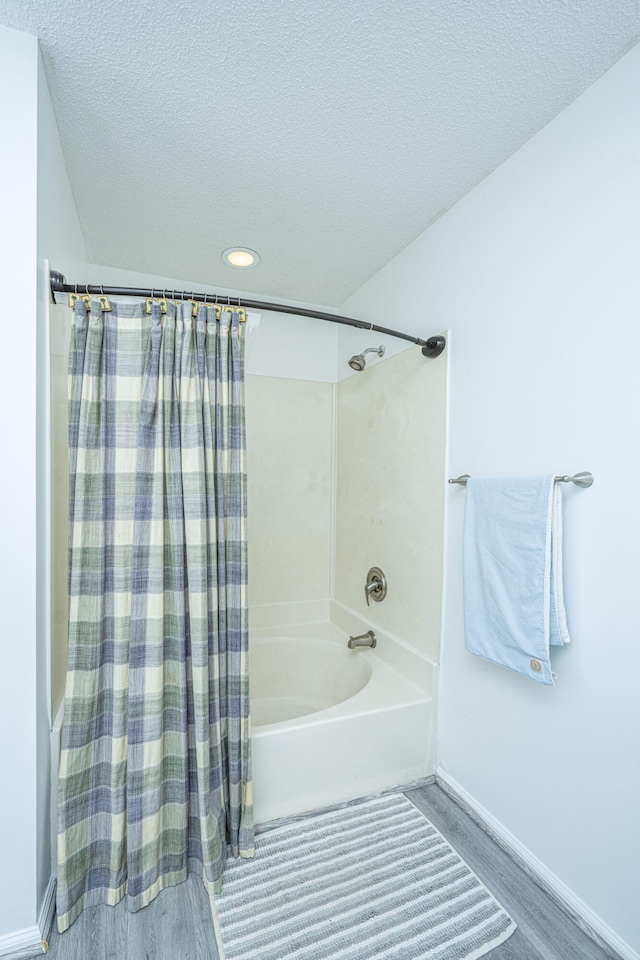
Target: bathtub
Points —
{"points": [[328, 724], [331, 724], [293, 677]]}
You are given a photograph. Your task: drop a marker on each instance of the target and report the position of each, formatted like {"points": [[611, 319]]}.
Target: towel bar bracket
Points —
{"points": [[582, 479]]}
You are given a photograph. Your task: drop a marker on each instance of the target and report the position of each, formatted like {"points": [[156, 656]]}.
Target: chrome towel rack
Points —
{"points": [[583, 479]]}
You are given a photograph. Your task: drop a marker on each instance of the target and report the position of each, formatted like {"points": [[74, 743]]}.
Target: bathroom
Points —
{"points": [[513, 234]]}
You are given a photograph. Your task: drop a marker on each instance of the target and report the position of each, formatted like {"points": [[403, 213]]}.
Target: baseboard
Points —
{"points": [[582, 915], [32, 941], [331, 808], [22, 945]]}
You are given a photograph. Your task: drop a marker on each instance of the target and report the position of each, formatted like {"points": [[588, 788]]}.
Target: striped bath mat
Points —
{"points": [[371, 881]]}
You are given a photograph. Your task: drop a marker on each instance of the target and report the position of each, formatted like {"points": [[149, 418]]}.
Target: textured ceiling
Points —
{"points": [[326, 135]]}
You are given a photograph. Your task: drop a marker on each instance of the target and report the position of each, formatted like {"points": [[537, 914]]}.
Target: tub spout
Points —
{"points": [[367, 639]]}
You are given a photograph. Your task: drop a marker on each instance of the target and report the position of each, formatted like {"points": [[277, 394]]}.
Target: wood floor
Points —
{"points": [[177, 925], [544, 931]]}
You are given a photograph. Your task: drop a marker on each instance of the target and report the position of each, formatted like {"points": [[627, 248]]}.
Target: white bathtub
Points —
{"points": [[332, 724], [329, 723], [293, 677]]}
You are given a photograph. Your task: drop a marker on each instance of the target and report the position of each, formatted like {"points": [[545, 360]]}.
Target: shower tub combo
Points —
{"points": [[331, 724]]}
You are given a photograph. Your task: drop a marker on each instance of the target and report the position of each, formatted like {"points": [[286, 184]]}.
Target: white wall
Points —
{"points": [[60, 237], [38, 221], [60, 245], [284, 345], [59, 241], [57, 549], [536, 273], [18, 842]]}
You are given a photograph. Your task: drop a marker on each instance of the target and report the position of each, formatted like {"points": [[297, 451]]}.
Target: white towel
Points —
{"points": [[513, 597]]}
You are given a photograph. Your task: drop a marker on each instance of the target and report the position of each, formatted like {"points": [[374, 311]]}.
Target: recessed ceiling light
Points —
{"points": [[240, 257]]}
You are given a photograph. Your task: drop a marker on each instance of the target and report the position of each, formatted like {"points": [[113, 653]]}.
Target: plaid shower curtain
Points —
{"points": [[155, 778]]}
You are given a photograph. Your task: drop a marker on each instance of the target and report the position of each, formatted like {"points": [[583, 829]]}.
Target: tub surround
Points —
{"points": [[290, 488], [266, 616], [397, 652], [343, 477], [391, 422]]}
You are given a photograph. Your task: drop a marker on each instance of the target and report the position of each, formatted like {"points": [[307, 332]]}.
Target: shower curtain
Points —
{"points": [[155, 778]]}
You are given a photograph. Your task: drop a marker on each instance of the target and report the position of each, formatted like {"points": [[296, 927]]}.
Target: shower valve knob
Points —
{"points": [[375, 587]]}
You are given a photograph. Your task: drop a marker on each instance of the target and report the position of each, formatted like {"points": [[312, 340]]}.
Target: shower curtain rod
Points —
{"points": [[432, 347]]}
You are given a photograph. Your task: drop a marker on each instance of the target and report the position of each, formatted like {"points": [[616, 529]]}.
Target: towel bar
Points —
{"points": [[583, 479]]}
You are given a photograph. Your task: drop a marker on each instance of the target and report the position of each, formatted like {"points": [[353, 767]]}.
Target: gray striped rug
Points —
{"points": [[374, 880]]}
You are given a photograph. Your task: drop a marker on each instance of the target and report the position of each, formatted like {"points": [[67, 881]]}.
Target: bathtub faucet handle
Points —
{"points": [[370, 588], [375, 586]]}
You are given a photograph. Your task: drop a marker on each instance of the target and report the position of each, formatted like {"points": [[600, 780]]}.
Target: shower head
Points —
{"points": [[358, 361]]}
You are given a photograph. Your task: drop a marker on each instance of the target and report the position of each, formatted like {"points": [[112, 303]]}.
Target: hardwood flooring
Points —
{"points": [[177, 925], [545, 932]]}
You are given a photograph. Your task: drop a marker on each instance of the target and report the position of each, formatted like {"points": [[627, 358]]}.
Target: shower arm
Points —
{"points": [[432, 347]]}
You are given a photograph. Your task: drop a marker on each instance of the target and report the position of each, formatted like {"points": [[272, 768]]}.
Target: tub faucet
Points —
{"points": [[367, 639]]}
